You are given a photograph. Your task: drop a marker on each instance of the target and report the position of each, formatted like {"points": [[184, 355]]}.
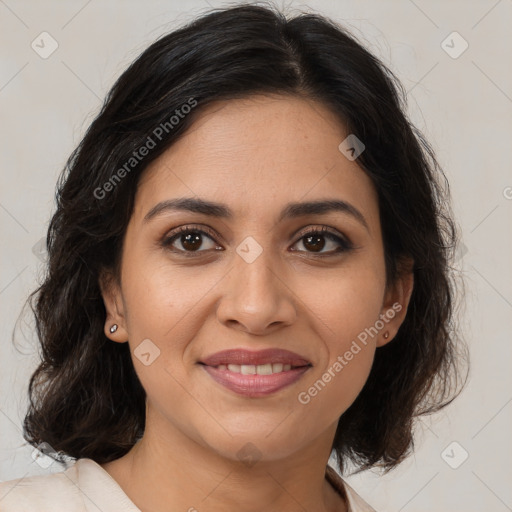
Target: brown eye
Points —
{"points": [[191, 240], [315, 241]]}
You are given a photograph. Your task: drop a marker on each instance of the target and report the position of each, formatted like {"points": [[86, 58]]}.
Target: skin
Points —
{"points": [[280, 149]]}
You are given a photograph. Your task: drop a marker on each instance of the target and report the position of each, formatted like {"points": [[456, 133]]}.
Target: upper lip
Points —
{"points": [[250, 357]]}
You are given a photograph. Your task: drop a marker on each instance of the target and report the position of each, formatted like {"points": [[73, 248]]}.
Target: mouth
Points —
{"points": [[255, 374], [259, 369]]}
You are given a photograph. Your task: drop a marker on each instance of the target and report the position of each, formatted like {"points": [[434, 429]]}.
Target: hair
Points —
{"points": [[85, 399]]}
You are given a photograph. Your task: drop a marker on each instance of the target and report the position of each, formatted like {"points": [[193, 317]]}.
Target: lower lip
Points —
{"points": [[255, 386]]}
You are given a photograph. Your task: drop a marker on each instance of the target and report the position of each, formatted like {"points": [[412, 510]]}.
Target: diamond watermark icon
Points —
{"points": [[249, 454], [351, 147], [461, 251], [42, 455], [454, 455], [44, 45], [249, 249], [146, 352], [454, 45], [39, 250]]}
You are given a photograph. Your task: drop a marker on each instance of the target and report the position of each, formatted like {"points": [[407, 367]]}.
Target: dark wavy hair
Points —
{"points": [[85, 399]]}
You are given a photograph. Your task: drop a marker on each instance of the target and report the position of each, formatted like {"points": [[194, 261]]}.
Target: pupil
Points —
{"points": [[191, 239], [316, 247]]}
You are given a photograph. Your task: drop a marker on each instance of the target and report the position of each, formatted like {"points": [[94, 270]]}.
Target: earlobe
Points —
{"points": [[114, 327], [396, 304]]}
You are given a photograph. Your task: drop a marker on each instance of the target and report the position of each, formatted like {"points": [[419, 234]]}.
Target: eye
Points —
{"points": [[314, 241], [190, 239]]}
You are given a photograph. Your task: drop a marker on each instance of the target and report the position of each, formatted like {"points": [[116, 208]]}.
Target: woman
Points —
{"points": [[248, 272]]}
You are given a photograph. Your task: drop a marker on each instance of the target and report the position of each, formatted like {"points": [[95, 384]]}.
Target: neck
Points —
{"points": [[167, 470]]}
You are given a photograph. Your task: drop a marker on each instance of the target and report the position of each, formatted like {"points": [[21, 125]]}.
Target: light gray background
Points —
{"points": [[464, 107]]}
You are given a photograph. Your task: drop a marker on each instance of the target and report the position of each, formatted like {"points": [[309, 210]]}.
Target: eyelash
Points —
{"points": [[345, 244]]}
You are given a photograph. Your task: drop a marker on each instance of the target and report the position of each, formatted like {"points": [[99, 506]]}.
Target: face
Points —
{"points": [[261, 276]]}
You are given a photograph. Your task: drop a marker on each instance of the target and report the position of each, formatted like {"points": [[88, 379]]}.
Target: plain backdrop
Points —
{"points": [[461, 98]]}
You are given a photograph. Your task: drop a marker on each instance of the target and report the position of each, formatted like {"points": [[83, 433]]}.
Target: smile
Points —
{"points": [[271, 370], [260, 369]]}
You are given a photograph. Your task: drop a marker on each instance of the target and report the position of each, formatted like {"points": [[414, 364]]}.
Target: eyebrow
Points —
{"points": [[222, 211]]}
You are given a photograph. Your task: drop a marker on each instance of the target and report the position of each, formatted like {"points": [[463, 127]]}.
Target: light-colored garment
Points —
{"points": [[354, 501], [87, 487]]}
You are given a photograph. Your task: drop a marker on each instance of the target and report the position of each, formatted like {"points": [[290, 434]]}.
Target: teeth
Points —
{"points": [[260, 369], [247, 369], [264, 369]]}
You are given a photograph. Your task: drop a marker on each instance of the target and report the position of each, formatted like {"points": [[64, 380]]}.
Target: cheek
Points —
{"points": [[349, 345], [344, 304], [335, 387], [162, 297], [345, 311], [166, 304]]}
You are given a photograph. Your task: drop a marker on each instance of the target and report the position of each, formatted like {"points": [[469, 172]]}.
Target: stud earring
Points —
{"points": [[386, 335], [113, 328]]}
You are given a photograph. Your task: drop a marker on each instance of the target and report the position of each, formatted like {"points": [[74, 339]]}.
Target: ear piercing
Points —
{"points": [[386, 334]]}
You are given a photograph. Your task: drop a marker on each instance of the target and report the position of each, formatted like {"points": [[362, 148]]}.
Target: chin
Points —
{"points": [[253, 446]]}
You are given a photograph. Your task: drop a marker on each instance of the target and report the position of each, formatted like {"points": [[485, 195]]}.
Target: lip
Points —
{"points": [[250, 357], [255, 386]]}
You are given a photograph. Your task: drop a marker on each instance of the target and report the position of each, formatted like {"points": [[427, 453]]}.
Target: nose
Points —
{"points": [[255, 296]]}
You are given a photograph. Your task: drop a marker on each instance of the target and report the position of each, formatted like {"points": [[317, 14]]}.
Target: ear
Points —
{"points": [[111, 293], [396, 301]]}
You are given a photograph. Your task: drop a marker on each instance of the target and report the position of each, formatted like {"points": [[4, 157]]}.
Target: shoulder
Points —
{"points": [[82, 487], [41, 492]]}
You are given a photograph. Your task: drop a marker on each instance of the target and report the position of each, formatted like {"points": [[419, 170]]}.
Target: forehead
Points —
{"points": [[257, 154]]}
